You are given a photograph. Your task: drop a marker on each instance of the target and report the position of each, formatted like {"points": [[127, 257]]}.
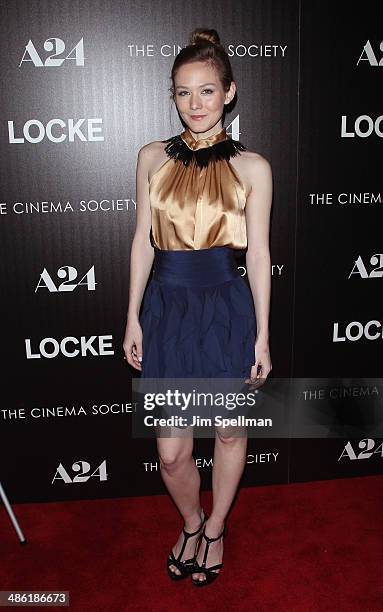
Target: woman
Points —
{"points": [[201, 197]]}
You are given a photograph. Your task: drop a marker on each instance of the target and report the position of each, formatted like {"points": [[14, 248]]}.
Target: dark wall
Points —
{"points": [[101, 70]]}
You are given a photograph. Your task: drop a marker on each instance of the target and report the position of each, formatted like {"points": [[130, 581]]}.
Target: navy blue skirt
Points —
{"points": [[198, 318]]}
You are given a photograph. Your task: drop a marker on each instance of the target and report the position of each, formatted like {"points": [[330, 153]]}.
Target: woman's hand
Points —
{"points": [[133, 344], [262, 366]]}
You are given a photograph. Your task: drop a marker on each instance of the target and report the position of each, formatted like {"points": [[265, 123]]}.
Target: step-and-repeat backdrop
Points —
{"points": [[85, 84]]}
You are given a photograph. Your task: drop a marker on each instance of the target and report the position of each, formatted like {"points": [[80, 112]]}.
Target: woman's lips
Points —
{"points": [[197, 117]]}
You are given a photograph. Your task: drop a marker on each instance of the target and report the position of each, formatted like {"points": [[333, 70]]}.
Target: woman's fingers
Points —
{"points": [[133, 355], [258, 375], [137, 351]]}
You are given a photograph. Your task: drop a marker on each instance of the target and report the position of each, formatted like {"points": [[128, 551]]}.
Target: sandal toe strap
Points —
{"points": [[198, 568], [179, 564], [213, 567]]}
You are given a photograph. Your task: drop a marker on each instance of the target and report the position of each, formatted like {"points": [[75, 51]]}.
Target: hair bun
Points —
{"points": [[200, 35]]}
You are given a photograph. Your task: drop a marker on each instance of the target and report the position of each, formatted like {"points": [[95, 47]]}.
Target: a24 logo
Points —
{"points": [[366, 451], [368, 55], [58, 46], [70, 274], [84, 472]]}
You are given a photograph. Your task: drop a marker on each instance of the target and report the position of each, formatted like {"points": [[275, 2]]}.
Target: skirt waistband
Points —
{"points": [[195, 268]]}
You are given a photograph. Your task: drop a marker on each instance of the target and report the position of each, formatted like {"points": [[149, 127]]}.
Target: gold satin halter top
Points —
{"points": [[195, 207]]}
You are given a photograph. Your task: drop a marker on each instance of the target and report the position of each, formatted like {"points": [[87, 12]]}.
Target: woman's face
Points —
{"points": [[199, 96]]}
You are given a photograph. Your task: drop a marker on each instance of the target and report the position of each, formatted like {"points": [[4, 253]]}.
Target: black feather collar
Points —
{"points": [[218, 146]]}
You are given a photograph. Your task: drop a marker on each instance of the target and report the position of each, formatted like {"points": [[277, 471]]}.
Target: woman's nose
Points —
{"points": [[195, 102]]}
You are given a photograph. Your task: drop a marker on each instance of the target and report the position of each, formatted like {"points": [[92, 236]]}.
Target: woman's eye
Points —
{"points": [[209, 91]]}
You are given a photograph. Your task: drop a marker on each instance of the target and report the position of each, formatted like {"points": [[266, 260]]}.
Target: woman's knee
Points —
{"points": [[172, 461], [231, 436], [173, 455]]}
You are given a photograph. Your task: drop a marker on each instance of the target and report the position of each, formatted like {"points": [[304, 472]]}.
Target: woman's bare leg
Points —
{"points": [[182, 479], [229, 462]]}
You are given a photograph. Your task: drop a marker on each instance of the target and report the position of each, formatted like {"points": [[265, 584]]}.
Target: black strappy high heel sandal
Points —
{"points": [[185, 567], [210, 575]]}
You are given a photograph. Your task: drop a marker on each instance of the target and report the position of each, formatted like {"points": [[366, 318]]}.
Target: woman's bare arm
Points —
{"points": [[141, 259], [258, 260], [142, 252]]}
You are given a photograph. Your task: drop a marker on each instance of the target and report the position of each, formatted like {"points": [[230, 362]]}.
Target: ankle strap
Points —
{"points": [[189, 534], [206, 551], [213, 539]]}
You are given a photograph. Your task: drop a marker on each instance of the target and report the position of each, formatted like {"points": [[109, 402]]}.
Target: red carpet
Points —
{"points": [[301, 547]]}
